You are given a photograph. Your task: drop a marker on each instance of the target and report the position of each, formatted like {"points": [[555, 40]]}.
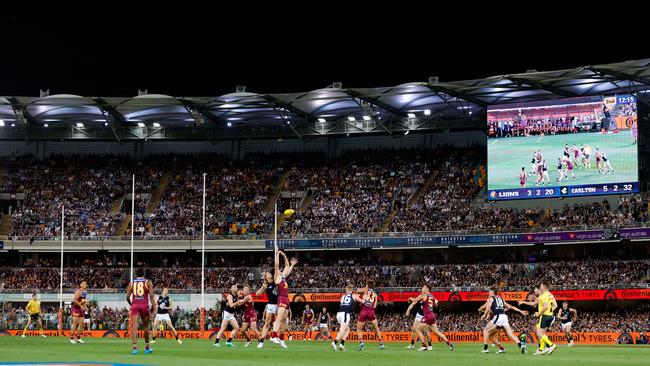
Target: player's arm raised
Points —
{"points": [[412, 304], [262, 288], [230, 301]]}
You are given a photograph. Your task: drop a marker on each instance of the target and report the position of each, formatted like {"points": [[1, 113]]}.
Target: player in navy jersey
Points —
{"points": [[324, 320], [229, 318], [280, 325], [165, 304], [567, 316], [307, 321], [495, 307], [140, 297], [271, 290], [343, 318]]}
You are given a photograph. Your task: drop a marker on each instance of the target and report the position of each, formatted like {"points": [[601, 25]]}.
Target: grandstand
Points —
{"points": [[388, 184]]}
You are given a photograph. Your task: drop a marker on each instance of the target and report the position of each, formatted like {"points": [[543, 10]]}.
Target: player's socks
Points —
{"points": [[176, 336], [274, 334], [429, 343], [281, 336], [501, 348], [547, 340], [343, 342], [229, 340], [412, 342], [217, 341]]}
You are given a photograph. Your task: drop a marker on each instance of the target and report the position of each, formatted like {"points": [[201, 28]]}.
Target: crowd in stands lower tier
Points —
{"points": [[362, 191], [562, 274]]}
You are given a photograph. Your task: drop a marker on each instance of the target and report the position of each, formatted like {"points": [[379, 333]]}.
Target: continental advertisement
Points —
{"points": [[393, 337], [479, 296]]}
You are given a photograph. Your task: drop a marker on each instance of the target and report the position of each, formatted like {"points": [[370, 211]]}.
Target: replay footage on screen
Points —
{"points": [[567, 147]]}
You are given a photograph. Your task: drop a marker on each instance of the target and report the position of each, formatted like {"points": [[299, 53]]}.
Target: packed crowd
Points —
{"points": [[237, 194], [569, 274], [86, 185], [630, 212], [520, 125], [356, 192]]}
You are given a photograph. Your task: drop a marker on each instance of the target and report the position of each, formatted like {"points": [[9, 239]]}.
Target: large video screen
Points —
{"points": [[569, 147]]}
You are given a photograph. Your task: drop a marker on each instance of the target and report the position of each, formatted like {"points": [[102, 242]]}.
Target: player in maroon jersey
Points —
{"points": [[78, 309], [429, 320], [250, 316], [307, 321], [280, 279], [140, 297], [368, 300], [522, 177]]}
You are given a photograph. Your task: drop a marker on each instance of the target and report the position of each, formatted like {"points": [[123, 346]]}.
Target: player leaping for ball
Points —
{"points": [[280, 279]]}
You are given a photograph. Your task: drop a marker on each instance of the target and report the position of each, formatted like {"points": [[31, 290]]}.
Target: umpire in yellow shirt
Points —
{"points": [[545, 310], [33, 308]]}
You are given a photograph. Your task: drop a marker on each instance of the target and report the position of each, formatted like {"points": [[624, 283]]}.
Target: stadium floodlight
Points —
{"points": [[13, 125], [470, 113], [140, 124], [321, 120], [229, 124], [105, 124], [407, 132], [156, 124], [2, 123], [366, 118], [351, 119], [46, 125], [427, 112], [79, 124], [411, 115]]}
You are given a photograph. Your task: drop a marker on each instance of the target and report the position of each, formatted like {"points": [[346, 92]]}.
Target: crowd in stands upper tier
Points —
{"points": [[362, 191]]}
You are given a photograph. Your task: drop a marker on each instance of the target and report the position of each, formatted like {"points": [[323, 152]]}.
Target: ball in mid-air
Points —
{"points": [[289, 212]]}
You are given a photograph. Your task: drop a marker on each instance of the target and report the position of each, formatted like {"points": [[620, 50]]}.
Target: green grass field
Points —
{"points": [[506, 156], [201, 352]]}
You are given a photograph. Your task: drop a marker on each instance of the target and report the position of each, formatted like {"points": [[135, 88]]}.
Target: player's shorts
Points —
{"points": [[418, 317], [500, 320], [366, 316], [323, 325], [76, 311], [566, 325], [228, 316], [141, 310], [163, 317], [343, 318], [86, 320], [283, 302], [545, 321], [35, 317], [429, 319], [250, 318], [272, 308]]}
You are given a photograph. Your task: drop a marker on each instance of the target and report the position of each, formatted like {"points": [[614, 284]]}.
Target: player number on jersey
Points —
{"points": [[139, 289]]}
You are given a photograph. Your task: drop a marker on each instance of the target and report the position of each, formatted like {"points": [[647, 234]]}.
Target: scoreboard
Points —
{"points": [[561, 148], [564, 191]]}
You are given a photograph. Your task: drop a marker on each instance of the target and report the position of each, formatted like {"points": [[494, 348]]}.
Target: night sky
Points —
{"points": [[184, 51]]}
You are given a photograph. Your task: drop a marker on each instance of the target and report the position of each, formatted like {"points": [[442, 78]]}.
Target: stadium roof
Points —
{"points": [[427, 105]]}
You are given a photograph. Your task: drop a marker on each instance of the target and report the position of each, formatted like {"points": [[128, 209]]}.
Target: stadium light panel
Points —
{"points": [[105, 124], [351, 119], [427, 112], [140, 124], [13, 125], [321, 120], [407, 132], [366, 118], [79, 124], [156, 124], [229, 124], [411, 115], [2, 123], [46, 125]]}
